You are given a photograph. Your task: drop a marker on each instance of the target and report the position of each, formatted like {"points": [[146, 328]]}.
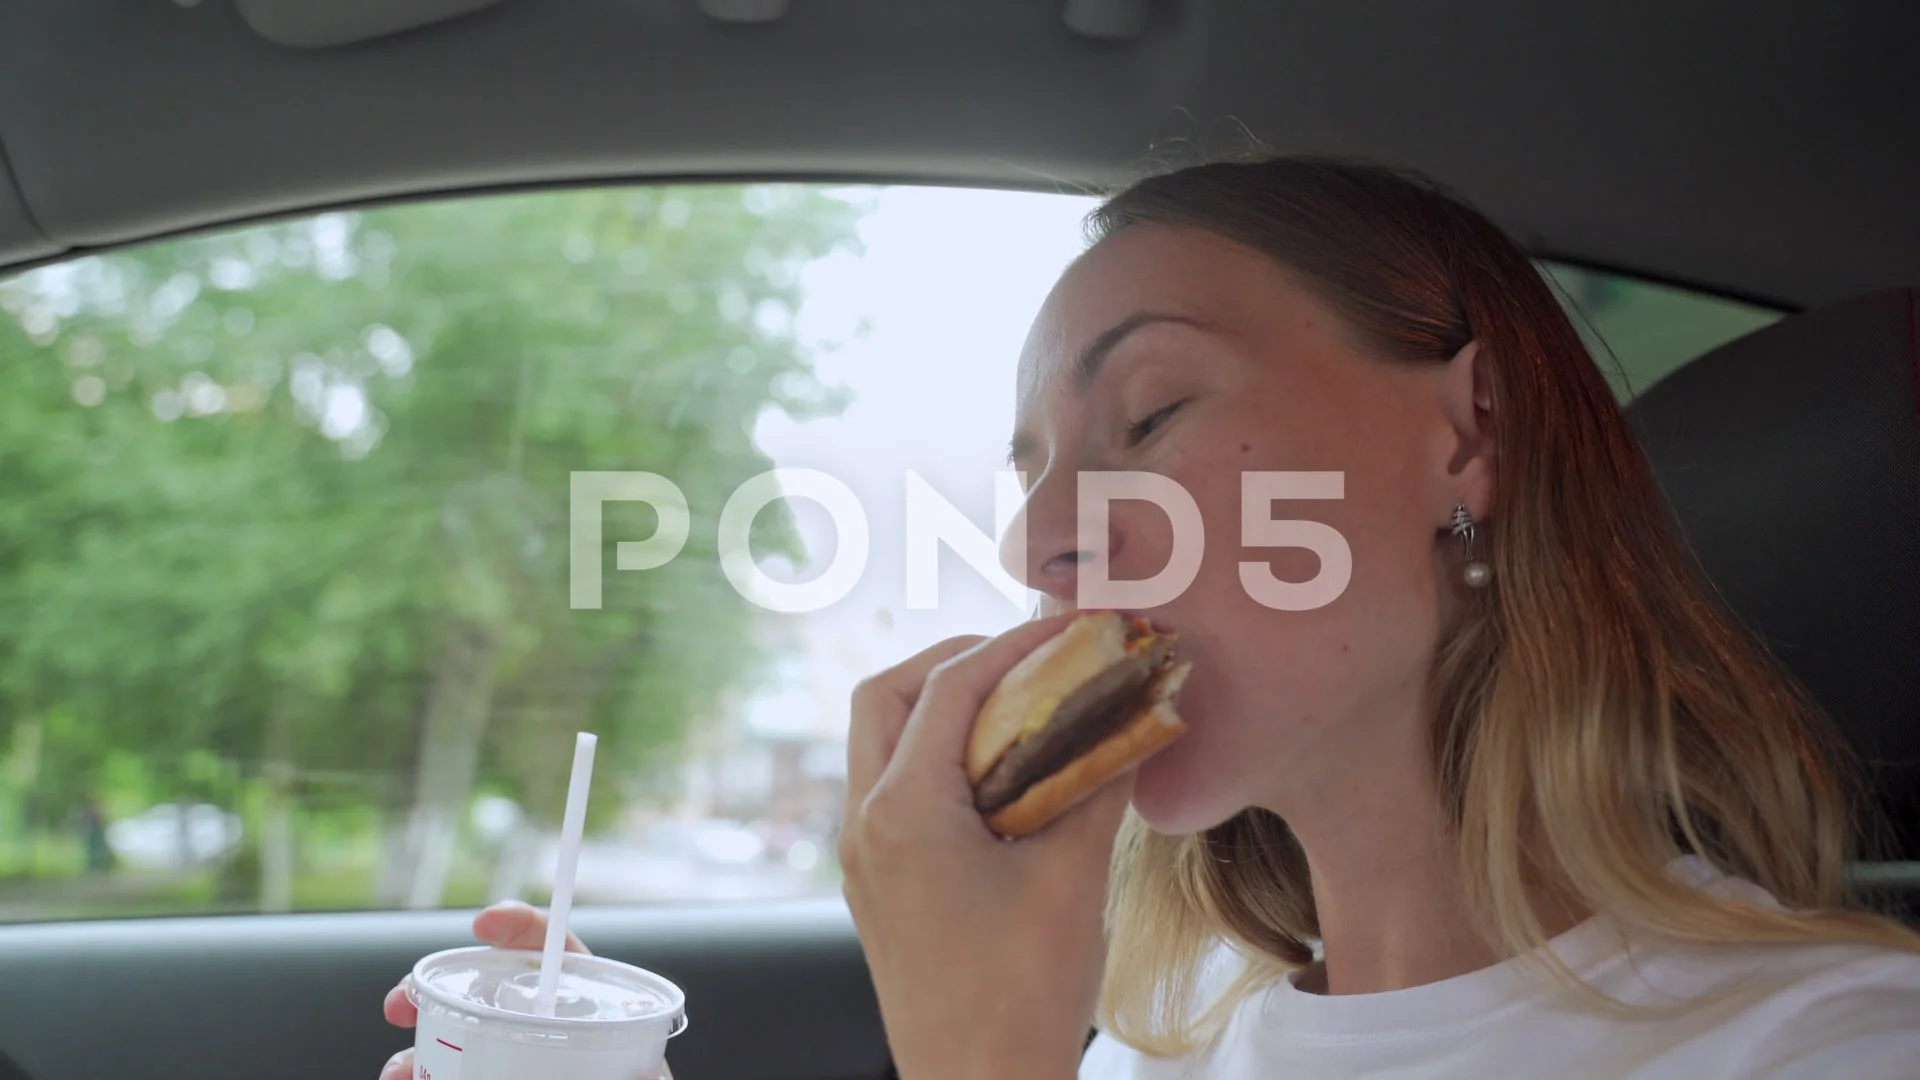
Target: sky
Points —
{"points": [[946, 287]]}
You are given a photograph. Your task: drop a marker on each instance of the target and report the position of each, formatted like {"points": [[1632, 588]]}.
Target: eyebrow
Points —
{"points": [[1086, 366]]}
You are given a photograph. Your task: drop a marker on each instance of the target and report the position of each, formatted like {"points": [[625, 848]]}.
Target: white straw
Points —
{"points": [[571, 827]]}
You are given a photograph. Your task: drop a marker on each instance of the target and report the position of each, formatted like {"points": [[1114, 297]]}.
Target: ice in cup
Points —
{"points": [[477, 1020]]}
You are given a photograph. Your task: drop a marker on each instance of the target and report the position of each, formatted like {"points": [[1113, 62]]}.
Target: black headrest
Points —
{"points": [[1792, 459]]}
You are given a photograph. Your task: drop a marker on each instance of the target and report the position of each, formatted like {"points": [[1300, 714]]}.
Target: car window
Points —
{"points": [[292, 519], [1639, 332]]}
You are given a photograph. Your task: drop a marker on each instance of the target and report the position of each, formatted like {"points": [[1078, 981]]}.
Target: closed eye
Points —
{"points": [[1148, 424]]}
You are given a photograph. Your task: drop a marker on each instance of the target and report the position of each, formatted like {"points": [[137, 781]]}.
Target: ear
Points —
{"points": [[1466, 399]]}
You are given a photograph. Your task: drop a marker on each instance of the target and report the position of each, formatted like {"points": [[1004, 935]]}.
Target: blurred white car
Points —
{"points": [[711, 840], [161, 839], [673, 859]]}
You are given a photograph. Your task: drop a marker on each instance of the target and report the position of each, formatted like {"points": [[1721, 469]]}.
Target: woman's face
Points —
{"points": [[1173, 351]]}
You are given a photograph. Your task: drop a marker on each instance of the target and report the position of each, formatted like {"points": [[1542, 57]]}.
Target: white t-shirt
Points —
{"points": [[1814, 1012]]}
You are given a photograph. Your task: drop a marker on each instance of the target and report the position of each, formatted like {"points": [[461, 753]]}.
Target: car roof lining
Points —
{"points": [[21, 239], [45, 252], [1749, 149]]}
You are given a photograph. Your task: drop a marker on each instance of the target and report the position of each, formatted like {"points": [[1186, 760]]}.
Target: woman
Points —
{"points": [[1521, 801]]}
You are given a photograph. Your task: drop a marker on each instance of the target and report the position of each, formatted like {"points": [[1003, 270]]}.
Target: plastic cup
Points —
{"points": [[477, 1018]]}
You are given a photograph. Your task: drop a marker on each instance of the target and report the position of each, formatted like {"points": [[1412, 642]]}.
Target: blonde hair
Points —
{"points": [[1597, 713]]}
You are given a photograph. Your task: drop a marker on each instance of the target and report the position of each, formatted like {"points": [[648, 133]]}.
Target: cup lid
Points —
{"points": [[450, 978]]}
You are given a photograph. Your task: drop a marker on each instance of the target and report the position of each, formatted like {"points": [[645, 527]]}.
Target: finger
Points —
{"points": [[398, 1067], [934, 741], [399, 1009], [880, 707], [512, 924], [1086, 833]]}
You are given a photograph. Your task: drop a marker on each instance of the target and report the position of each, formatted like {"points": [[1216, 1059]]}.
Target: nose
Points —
{"points": [[1044, 547]]}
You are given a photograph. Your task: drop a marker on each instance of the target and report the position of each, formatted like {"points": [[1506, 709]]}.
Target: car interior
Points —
{"points": [[1763, 152]]}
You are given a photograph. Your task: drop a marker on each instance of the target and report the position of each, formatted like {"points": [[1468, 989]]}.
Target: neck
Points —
{"points": [[1382, 857]]}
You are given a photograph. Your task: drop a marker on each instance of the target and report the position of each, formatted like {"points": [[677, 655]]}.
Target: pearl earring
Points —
{"points": [[1475, 572]]}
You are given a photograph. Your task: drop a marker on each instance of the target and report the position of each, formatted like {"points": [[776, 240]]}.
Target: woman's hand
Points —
{"points": [[986, 954], [509, 925]]}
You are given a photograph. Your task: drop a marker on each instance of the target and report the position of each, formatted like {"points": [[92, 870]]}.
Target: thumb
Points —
{"points": [[1087, 832]]}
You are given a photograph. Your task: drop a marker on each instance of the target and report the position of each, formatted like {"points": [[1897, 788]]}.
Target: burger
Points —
{"points": [[1084, 707]]}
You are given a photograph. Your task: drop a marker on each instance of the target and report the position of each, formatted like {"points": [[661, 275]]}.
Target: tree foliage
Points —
{"points": [[297, 494]]}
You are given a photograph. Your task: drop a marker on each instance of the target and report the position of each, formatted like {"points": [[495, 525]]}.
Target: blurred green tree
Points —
{"points": [[1640, 332], [297, 494]]}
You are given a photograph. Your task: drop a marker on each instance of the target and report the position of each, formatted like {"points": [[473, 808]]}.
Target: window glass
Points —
{"points": [[1639, 332], [289, 515], [285, 532]]}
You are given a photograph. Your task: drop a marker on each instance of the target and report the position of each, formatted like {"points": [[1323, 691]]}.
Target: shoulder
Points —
{"points": [[1837, 1011], [1107, 1058], [1853, 1013]]}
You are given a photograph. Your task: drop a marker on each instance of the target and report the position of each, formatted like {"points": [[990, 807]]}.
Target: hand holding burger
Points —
{"points": [[1014, 928]]}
